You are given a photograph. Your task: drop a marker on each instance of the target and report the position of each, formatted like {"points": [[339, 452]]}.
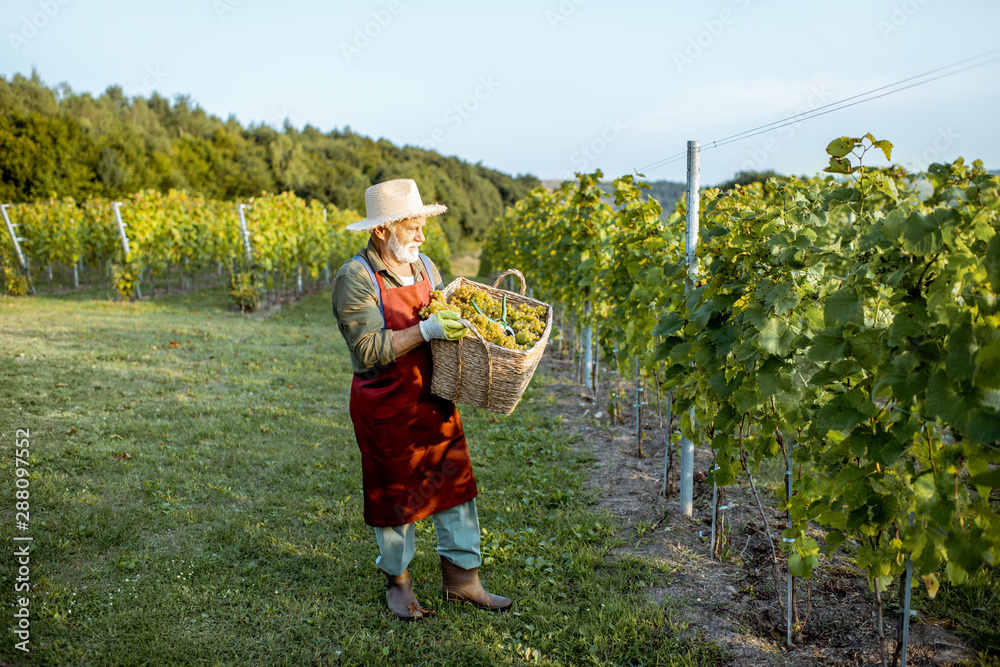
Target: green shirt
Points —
{"points": [[356, 309]]}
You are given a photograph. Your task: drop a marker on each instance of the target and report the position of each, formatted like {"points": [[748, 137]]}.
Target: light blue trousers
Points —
{"points": [[457, 535]]}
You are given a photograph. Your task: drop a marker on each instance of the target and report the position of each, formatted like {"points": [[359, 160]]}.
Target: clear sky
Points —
{"points": [[548, 87]]}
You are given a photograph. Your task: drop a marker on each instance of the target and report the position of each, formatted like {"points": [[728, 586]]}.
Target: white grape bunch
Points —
{"points": [[528, 322]]}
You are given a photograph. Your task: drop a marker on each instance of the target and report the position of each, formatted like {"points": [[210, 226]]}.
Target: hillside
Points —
{"points": [[54, 141]]}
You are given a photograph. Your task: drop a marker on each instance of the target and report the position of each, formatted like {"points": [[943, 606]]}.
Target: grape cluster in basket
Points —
{"points": [[485, 312]]}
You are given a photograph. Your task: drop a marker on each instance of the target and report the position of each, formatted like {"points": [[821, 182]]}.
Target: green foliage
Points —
{"points": [[175, 228], [747, 178], [245, 290], [436, 246], [636, 283], [666, 193], [973, 607], [112, 146], [40, 155], [574, 248], [15, 282], [854, 324], [125, 278], [855, 368], [559, 241]]}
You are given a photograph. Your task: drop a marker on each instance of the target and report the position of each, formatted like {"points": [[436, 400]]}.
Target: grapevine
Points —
{"points": [[187, 234], [848, 323]]}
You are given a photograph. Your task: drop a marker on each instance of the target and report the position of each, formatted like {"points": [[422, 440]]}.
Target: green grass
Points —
{"points": [[971, 609], [195, 499]]}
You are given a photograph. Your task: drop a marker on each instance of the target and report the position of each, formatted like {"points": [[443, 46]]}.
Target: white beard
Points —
{"points": [[407, 255]]}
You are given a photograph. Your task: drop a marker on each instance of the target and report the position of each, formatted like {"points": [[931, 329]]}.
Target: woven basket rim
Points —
{"points": [[503, 374], [450, 287]]}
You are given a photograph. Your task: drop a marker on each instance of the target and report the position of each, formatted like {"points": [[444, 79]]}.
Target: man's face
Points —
{"points": [[405, 238]]}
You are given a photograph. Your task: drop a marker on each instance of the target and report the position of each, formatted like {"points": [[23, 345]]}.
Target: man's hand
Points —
{"points": [[444, 325]]}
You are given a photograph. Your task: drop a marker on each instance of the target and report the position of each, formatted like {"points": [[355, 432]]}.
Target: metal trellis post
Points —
{"points": [[17, 245], [638, 403], [690, 243], [597, 367], [244, 233], [666, 438], [588, 346], [908, 582], [788, 518], [116, 207]]}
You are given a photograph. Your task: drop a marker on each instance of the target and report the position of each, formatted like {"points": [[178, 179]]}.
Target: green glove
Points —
{"points": [[443, 325]]}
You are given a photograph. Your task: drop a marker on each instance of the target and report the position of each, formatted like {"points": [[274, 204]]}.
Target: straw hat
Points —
{"points": [[392, 201]]}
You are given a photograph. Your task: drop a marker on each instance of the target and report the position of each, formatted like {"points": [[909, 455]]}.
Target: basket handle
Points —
{"points": [[524, 285]]}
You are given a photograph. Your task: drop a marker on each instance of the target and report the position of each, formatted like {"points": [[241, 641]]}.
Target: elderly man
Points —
{"points": [[414, 460]]}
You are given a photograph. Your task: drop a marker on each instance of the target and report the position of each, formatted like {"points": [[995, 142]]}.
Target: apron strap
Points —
{"points": [[361, 259], [427, 269]]}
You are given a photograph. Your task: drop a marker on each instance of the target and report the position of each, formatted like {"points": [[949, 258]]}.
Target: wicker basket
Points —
{"points": [[476, 372]]}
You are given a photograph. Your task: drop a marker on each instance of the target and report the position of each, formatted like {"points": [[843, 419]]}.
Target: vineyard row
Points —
{"points": [[174, 232], [848, 326]]}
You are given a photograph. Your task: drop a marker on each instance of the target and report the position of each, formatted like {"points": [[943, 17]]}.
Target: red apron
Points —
{"points": [[414, 461]]}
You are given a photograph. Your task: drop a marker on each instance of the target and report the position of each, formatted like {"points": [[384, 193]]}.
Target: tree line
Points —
{"points": [[55, 142]]}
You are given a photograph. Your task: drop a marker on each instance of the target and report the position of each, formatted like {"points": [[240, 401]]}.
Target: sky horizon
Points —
{"points": [[547, 88]]}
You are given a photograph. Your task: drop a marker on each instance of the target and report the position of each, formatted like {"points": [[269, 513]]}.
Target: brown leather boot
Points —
{"points": [[399, 597], [460, 585]]}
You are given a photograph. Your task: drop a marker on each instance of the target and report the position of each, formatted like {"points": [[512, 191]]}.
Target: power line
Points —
{"points": [[835, 106], [717, 144], [874, 90], [664, 161]]}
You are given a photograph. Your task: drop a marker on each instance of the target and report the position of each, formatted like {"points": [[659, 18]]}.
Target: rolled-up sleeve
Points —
{"points": [[360, 321]]}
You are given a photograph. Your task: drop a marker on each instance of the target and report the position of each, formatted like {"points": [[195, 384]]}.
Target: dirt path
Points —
{"points": [[732, 601]]}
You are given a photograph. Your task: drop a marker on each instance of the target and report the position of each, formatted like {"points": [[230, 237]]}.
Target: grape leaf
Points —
{"points": [[841, 147], [843, 307]]}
